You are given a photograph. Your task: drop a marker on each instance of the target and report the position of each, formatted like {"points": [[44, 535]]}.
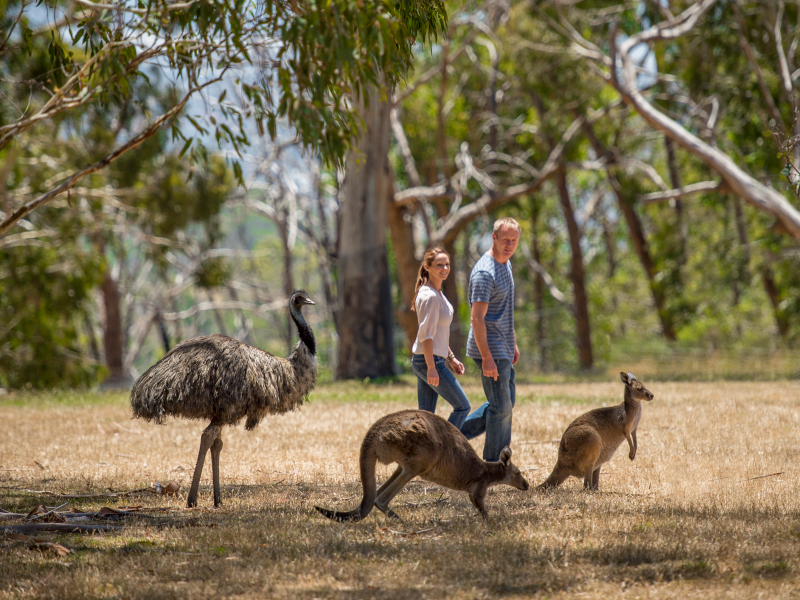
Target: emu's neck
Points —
{"points": [[306, 335]]}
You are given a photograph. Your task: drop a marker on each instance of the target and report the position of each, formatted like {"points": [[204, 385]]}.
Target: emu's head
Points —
{"points": [[637, 389], [299, 298], [513, 476]]}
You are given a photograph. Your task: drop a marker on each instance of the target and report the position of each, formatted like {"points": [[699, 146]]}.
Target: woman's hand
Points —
{"points": [[456, 365], [433, 377]]}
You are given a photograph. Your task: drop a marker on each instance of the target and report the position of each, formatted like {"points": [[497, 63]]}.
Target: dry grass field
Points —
{"points": [[710, 507]]}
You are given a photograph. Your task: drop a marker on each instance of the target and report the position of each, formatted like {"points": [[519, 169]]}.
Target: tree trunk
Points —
{"points": [[611, 259], [113, 343], [458, 337], [288, 277], [163, 332], [577, 274], [680, 220], [539, 286], [743, 262], [407, 265], [774, 295], [637, 234], [365, 319]]}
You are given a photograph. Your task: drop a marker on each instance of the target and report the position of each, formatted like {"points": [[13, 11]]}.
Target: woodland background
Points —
{"points": [[175, 169]]}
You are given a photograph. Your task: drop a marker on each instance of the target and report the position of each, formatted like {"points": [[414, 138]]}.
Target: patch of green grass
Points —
{"points": [[695, 569], [64, 398], [768, 569]]}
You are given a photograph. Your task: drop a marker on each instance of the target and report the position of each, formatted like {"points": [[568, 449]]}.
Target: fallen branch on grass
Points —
{"points": [[82, 496], [30, 528], [763, 476], [80, 522]]}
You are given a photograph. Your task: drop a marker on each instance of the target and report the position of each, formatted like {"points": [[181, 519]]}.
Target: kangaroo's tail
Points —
{"points": [[556, 478], [367, 460]]}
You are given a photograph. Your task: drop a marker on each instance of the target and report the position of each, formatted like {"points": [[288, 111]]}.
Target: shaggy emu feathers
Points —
{"points": [[223, 379]]}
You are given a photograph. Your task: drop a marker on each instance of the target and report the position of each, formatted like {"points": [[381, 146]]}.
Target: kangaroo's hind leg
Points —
{"points": [[594, 480], [391, 488], [384, 508]]}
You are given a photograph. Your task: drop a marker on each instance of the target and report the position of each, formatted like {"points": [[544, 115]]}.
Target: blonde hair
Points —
{"points": [[422, 275], [506, 222]]}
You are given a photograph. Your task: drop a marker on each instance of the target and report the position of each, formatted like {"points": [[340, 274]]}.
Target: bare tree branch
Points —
{"points": [[740, 182], [686, 190]]}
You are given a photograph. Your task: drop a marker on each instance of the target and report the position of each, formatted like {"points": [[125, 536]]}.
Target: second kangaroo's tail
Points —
{"points": [[367, 460]]}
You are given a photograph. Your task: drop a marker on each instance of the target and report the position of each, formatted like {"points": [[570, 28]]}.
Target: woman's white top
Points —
{"points": [[434, 315]]}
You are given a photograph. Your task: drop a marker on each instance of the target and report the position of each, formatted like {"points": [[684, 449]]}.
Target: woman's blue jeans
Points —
{"points": [[494, 417], [448, 388]]}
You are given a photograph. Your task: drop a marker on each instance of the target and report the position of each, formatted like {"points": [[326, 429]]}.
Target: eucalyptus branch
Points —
{"points": [[134, 142], [739, 182], [786, 77], [126, 8], [424, 193], [682, 192], [555, 292], [61, 101], [405, 149]]}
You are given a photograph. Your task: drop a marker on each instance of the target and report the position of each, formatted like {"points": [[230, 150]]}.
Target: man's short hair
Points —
{"points": [[506, 222]]}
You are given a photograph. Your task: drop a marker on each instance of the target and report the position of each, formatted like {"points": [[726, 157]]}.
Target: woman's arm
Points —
{"points": [[433, 374]]}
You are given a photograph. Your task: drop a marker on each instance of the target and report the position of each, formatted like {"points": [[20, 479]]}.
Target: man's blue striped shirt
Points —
{"points": [[493, 282]]}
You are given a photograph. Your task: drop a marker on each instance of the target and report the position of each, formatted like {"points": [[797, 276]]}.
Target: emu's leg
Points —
{"points": [[216, 448], [210, 433]]}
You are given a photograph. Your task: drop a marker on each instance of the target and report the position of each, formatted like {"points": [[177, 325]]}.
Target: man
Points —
{"points": [[492, 342]]}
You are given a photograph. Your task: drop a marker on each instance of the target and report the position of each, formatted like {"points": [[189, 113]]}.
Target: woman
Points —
{"points": [[432, 353]]}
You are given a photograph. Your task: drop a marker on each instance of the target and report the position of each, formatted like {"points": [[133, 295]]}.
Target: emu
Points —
{"points": [[424, 444], [224, 380], [591, 439]]}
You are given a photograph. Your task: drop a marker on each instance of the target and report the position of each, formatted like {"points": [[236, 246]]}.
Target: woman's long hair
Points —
{"points": [[422, 275]]}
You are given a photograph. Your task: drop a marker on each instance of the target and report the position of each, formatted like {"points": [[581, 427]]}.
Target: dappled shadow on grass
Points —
{"points": [[534, 543]]}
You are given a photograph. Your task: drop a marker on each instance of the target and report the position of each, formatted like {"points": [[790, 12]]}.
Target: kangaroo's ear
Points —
{"points": [[624, 376], [505, 455]]}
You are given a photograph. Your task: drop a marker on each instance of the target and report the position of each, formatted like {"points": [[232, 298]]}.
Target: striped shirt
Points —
{"points": [[493, 282]]}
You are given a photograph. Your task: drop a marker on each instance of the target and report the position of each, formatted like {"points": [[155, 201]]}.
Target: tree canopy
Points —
{"points": [[264, 61]]}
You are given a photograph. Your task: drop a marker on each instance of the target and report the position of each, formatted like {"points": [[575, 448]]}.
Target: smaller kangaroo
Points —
{"points": [[424, 444], [591, 439]]}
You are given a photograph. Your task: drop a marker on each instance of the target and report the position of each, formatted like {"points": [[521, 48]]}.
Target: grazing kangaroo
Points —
{"points": [[591, 439], [424, 444]]}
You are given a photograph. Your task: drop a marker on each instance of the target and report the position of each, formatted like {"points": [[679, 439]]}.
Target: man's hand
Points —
{"points": [[433, 377], [516, 355], [490, 369]]}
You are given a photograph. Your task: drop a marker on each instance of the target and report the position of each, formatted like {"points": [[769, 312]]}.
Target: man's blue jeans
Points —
{"points": [[448, 388], [494, 417]]}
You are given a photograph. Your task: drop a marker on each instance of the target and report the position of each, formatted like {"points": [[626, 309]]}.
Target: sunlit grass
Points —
{"points": [[710, 507]]}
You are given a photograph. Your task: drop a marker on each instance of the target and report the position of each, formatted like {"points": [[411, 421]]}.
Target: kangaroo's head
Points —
{"points": [[635, 387], [512, 475]]}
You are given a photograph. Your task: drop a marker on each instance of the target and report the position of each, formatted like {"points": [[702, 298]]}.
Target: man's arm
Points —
{"points": [[477, 317]]}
